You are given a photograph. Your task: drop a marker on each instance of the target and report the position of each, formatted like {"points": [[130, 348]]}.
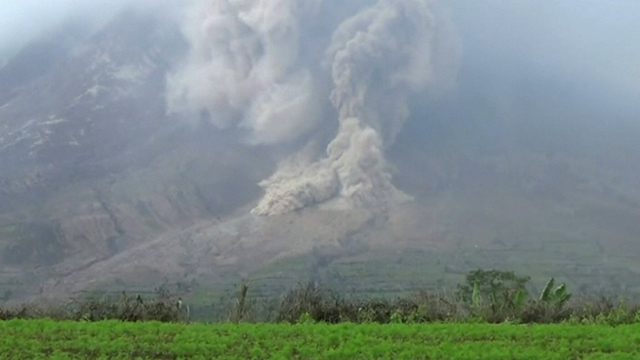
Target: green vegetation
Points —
{"points": [[493, 315], [487, 296], [164, 307], [46, 339]]}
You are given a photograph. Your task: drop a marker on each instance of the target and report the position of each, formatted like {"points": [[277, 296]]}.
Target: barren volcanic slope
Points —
{"points": [[91, 165], [380, 147]]}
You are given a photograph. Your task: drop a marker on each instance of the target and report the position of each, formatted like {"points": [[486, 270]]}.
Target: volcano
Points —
{"points": [[103, 187]]}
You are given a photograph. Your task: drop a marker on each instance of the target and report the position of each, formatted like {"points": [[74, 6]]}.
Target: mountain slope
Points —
{"points": [[101, 188]]}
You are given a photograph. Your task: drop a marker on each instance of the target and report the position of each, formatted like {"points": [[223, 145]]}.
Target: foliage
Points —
{"points": [[493, 295], [503, 288], [558, 296], [40, 339], [486, 297], [242, 309], [305, 318], [124, 307]]}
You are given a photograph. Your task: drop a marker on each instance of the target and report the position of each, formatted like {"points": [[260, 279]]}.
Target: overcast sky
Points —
{"points": [[597, 39], [24, 20], [588, 38]]}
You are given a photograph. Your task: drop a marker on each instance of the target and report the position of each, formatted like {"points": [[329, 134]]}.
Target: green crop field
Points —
{"points": [[46, 339]]}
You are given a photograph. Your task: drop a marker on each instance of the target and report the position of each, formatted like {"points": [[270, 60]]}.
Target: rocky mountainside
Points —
{"points": [[91, 164], [101, 187]]}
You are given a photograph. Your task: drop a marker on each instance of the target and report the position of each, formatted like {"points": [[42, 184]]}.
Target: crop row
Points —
{"points": [[46, 339]]}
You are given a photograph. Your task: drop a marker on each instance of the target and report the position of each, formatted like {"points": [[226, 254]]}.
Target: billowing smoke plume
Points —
{"points": [[244, 67], [249, 68]]}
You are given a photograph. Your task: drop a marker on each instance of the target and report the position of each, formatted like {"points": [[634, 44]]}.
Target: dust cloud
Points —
{"points": [[269, 67]]}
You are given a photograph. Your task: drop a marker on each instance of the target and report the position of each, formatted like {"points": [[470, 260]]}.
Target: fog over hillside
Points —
{"points": [[369, 141]]}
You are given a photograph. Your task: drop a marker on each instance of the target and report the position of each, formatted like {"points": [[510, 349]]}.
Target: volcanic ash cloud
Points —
{"points": [[245, 68]]}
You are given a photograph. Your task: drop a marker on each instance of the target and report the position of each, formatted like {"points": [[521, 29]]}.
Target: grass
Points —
{"points": [[46, 339]]}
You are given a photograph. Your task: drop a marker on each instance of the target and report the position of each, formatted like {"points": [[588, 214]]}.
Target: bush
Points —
{"points": [[123, 307], [488, 296]]}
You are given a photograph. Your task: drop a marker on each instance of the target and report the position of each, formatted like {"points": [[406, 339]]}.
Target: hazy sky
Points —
{"points": [[24, 20], [600, 37], [592, 40], [581, 38]]}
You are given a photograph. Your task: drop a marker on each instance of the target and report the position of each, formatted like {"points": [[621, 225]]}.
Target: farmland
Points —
{"points": [[47, 339]]}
